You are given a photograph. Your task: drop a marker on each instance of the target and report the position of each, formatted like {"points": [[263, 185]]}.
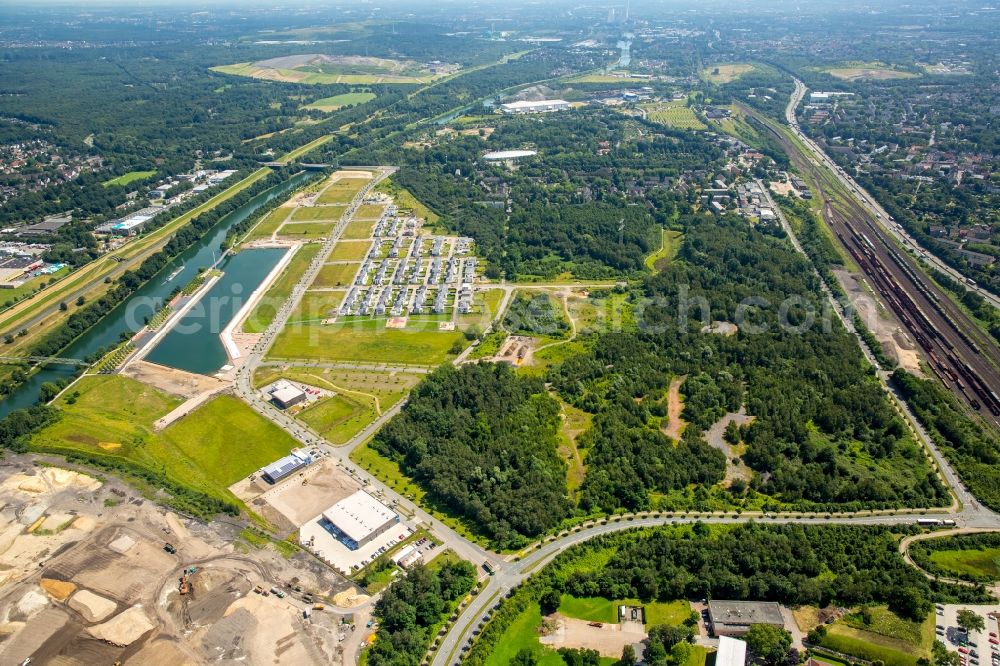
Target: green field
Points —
{"points": [[895, 641], [979, 563], [305, 230], [670, 243], [316, 305], [333, 103], [354, 251], [336, 275], [358, 229], [877, 71], [313, 213], [673, 114], [269, 224], [598, 609], [369, 212], [9, 296], [341, 191], [366, 73], [263, 313], [208, 450], [339, 418], [522, 634], [364, 341], [406, 201], [129, 177], [722, 74]]}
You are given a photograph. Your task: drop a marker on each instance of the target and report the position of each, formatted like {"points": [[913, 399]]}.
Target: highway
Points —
{"points": [[964, 357]]}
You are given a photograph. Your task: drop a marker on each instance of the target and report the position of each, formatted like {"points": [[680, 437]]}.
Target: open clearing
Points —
{"points": [[406, 201], [349, 251], [341, 191], [313, 213], [369, 212], [269, 224], [980, 563], [329, 104], [722, 74], [598, 609], [324, 70], [364, 341], [129, 177], [876, 71], [387, 387], [358, 229], [670, 243], [305, 230], [673, 114], [207, 450], [316, 305], [336, 275], [895, 641]]}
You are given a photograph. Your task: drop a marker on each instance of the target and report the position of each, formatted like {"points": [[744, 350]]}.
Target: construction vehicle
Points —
{"points": [[318, 606], [169, 547], [184, 586], [258, 589], [595, 624]]}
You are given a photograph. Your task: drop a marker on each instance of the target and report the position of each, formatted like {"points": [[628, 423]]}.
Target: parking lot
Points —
{"points": [[976, 648]]}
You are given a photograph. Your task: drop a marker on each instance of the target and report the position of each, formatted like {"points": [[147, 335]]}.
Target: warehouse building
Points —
{"points": [[733, 618], [357, 519], [286, 466], [287, 396], [541, 106]]}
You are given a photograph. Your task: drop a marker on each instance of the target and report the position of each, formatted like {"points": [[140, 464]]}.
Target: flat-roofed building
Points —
{"points": [[286, 466], [358, 518], [288, 396], [733, 618], [732, 652], [540, 106]]}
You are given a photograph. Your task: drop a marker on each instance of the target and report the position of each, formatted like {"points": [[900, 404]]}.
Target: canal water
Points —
{"points": [[130, 315], [193, 344]]}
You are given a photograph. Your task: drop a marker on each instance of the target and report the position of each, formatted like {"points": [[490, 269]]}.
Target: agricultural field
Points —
{"points": [[330, 104], [263, 313], [673, 114], [349, 251], [341, 191], [127, 178], [335, 275], [112, 416], [722, 74], [365, 341], [314, 213], [875, 71], [325, 70]]}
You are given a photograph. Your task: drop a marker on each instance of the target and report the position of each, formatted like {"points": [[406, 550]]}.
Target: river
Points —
{"points": [[129, 315]]}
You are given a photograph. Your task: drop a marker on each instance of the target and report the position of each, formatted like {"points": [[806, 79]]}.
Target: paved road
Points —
{"points": [[882, 218]]}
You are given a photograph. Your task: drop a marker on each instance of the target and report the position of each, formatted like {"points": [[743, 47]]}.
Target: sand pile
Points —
{"points": [[123, 629], [122, 544], [92, 607], [350, 598], [57, 589]]}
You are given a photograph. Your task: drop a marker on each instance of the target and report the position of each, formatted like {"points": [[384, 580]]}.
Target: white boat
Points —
{"points": [[173, 275]]}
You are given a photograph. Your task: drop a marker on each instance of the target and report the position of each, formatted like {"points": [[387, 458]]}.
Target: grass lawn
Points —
{"points": [[129, 177], [522, 634], [358, 229], [333, 103], [316, 305], [365, 341], [674, 114], [349, 251], [336, 275], [269, 224], [722, 74], [302, 230], [313, 213], [369, 212], [598, 609], [339, 418], [341, 191], [386, 387], [263, 313], [208, 450], [9, 296], [982, 563]]}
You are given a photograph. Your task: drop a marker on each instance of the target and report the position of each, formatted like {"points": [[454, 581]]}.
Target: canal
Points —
{"points": [[130, 315]]}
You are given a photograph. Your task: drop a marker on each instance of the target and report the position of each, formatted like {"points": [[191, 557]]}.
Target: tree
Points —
{"points": [[970, 621], [550, 601], [580, 657], [628, 657], [768, 644], [942, 656], [525, 657], [63, 307]]}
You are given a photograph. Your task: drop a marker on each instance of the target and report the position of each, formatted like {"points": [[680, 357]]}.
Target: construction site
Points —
{"points": [[95, 574]]}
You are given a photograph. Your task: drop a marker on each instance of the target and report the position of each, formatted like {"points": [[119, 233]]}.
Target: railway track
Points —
{"points": [[959, 353]]}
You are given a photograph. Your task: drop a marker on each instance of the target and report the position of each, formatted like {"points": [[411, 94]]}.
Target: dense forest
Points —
{"points": [[791, 564], [824, 433], [482, 441], [413, 607]]}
